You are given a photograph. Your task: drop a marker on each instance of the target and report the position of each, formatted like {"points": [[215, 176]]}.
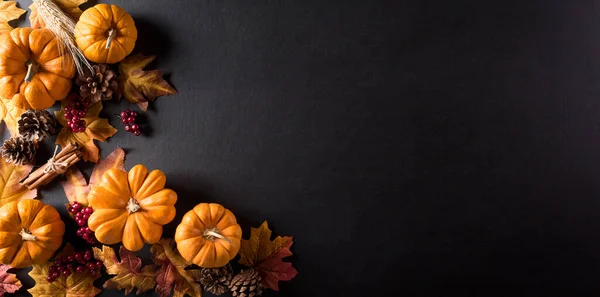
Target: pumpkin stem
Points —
{"points": [[213, 233], [32, 69], [132, 205], [26, 235], [111, 35]]}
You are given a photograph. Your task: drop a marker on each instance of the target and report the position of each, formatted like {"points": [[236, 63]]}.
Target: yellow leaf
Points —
{"points": [[140, 86], [10, 187], [77, 188], [78, 284], [8, 12], [129, 271], [70, 7], [96, 129], [10, 114]]}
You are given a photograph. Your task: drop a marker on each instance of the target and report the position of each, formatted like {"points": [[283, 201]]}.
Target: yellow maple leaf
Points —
{"points": [[140, 86], [129, 271], [8, 12], [96, 129], [70, 7], [78, 284], [10, 187], [10, 114]]}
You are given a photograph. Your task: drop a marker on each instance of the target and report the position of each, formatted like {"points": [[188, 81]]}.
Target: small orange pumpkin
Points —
{"points": [[34, 72], [131, 207], [208, 235], [105, 33], [30, 233]]}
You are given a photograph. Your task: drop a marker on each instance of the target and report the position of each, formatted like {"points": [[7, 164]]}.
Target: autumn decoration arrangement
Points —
{"points": [[83, 59]]}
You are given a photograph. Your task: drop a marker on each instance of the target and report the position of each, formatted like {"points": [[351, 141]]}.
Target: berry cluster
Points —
{"points": [[77, 262], [75, 112], [82, 214], [128, 118]]}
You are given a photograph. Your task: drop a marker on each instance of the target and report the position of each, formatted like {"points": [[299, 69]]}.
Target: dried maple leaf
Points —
{"points": [[77, 188], [172, 274], [8, 12], [10, 187], [97, 128], [70, 7], [129, 272], [264, 255], [8, 281], [78, 284], [10, 114], [139, 86]]}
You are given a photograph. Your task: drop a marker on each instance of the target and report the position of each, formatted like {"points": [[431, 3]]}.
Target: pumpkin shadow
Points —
{"points": [[151, 37]]}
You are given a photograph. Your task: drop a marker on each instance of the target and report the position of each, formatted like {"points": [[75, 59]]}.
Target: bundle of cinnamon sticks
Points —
{"points": [[55, 166]]}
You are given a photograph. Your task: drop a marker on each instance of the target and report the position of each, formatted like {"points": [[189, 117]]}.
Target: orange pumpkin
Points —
{"points": [[34, 71], [208, 236], [131, 207], [105, 33], [30, 233]]}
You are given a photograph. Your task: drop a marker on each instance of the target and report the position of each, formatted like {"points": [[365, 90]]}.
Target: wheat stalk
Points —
{"points": [[63, 27]]}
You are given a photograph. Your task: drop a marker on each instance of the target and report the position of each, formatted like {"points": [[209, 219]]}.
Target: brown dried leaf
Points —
{"points": [[129, 272], [70, 7], [172, 275], [8, 281], [8, 12], [96, 129], [139, 86], [10, 187], [77, 188]]}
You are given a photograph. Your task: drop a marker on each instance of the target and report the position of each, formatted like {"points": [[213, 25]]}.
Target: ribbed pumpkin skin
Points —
{"points": [[43, 222], [111, 199], [196, 247], [92, 30], [52, 81]]}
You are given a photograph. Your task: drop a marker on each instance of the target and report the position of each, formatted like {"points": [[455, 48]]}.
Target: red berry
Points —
{"points": [[78, 256], [87, 256], [93, 272], [70, 258], [49, 279], [66, 273], [91, 266], [131, 120], [69, 266], [68, 108], [58, 261], [80, 269], [135, 127], [51, 269], [82, 114], [54, 275], [68, 116], [88, 210], [127, 128], [86, 237], [133, 114], [127, 110], [74, 111], [81, 222], [123, 114], [99, 264], [86, 216], [137, 133], [60, 269]]}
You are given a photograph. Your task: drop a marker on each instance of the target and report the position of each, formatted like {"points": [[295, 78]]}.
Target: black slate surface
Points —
{"points": [[413, 148]]}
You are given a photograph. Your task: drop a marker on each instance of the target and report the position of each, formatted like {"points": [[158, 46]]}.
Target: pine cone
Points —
{"points": [[216, 280], [18, 150], [36, 125], [100, 85], [246, 284]]}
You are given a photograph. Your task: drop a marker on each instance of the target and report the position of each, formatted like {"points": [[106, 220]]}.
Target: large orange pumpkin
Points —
{"points": [[208, 236], [34, 71], [131, 207], [105, 33], [30, 233]]}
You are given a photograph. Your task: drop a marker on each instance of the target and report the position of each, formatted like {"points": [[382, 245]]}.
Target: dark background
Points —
{"points": [[412, 148]]}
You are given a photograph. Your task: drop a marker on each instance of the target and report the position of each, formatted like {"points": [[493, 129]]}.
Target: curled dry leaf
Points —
{"points": [[70, 7], [77, 188], [10, 113], [172, 275], [96, 129], [8, 281], [265, 256], [10, 187], [8, 12], [129, 273], [78, 284], [140, 86]]}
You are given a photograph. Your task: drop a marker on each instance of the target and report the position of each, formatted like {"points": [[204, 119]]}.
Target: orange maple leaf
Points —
{"points": [[140, 86], [96, 128], [129, 271], [265, 256], [172, 274], [10, 187], [78, 284], [8, 281], [8, 12], [77, 188], [10, 114], [70, 7]]}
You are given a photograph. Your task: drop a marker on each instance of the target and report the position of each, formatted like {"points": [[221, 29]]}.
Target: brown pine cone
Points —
{"points": [[100, 85], [216, 280], [36, 125], [246, 284], [18, 150]]}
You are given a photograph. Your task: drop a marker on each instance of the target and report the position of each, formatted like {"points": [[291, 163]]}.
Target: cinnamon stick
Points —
{"points": [[68, 156]]}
